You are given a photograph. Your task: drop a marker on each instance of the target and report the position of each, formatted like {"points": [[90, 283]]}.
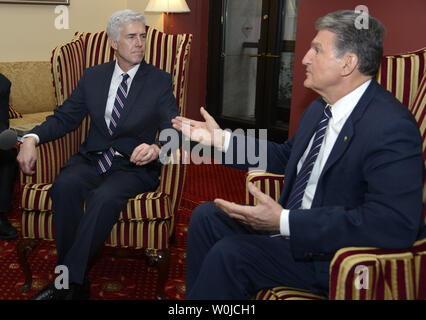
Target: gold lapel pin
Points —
{"points": [[345, 138]]}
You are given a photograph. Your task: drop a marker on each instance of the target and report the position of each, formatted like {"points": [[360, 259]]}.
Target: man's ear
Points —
{"points": [[350, 63], [113, 43]]}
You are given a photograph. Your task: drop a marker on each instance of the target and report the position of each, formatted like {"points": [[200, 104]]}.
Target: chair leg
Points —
{"points": [[24, 247], [161, 258]]}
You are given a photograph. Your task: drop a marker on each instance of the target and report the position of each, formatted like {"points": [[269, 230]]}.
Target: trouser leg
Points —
{"points": [[229, 260], [8, 171], [103, 207], [68, 194]]}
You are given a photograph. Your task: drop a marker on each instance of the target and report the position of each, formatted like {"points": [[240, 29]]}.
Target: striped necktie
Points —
{"points": [[302, 178], [105, 161]]}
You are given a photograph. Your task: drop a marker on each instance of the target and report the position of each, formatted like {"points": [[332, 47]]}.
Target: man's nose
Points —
{"points": [[139, 42], [306, 59]]}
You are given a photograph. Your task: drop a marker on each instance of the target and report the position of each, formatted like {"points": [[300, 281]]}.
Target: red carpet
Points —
{"points": [[207, 182], [128, 278]]}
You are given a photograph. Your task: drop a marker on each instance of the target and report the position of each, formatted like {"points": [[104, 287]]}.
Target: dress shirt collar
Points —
{"points": [[118, 72], [344, 106]]}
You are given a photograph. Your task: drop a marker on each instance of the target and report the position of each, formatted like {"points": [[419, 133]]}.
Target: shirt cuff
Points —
{"points": [[284, 223], [227, 140], [31, 135]]}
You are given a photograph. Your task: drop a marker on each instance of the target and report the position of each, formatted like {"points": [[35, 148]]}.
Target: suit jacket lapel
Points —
{"points": [[347, 132], [135, 89], [100, 110]]}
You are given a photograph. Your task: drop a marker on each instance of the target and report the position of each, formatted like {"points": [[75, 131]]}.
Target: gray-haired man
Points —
{"points": [[353, 177], [128, 102]]}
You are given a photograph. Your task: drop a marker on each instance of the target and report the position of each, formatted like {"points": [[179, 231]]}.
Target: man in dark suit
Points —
{"points": [[8, 166], [353, 177], [128, 102]]}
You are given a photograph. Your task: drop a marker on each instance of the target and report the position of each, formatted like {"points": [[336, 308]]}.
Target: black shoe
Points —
{"points": [[75, 292], [47, 293], [7, 231], [78, 291]]}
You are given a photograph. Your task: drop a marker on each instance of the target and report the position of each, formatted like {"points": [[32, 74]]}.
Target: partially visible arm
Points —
{"points": [[4, 102], [65, 118], [390, 213], [27, 155]]}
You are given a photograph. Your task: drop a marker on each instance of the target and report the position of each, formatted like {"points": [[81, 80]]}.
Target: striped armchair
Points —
{"points": [[392, 274], [148, 221]]}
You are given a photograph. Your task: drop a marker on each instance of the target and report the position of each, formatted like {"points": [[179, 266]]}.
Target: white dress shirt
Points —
{"points": [[117, 78], [340, 111]]}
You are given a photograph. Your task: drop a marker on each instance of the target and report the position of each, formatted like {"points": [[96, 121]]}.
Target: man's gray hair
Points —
{"points": [[119, 18], [367, 44]]}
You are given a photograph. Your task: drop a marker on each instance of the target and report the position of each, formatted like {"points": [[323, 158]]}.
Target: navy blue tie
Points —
{"points": [[299, 186], [105, 161]]}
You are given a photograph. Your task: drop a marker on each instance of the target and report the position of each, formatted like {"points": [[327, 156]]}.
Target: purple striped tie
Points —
{"points": [[299, 186], [105, 161]]}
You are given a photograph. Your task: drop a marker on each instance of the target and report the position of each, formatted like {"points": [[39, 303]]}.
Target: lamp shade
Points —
{"points": [[167, 6]]}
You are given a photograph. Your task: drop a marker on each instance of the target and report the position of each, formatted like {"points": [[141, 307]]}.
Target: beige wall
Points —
{"points": [[28, 32], [152, 19]]}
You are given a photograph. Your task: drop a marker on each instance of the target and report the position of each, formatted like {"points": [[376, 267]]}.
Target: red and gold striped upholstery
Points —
{"points": [[392, 274], [149, 218], [68, 64], [286, 293], [401, 74], [13, 114], [97, 48], [419, 111]]}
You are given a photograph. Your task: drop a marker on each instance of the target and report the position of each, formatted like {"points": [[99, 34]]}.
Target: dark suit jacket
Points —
{"points": [[370, 190], [150, 107], [4, 102]]}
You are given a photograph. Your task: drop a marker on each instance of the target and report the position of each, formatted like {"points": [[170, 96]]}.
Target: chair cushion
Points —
{"points": [[153, 234], [145, 206], [286, 293], [146, 222], [401, 74], [37, 225], [148, 234]]}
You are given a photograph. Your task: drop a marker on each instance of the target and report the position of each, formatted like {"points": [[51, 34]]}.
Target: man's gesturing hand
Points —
{"points": [[207, 133], [264, 216]]}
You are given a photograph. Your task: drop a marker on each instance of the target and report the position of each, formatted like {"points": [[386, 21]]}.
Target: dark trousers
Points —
{"points": [[8, 171], [80, 233], [229, 260]]}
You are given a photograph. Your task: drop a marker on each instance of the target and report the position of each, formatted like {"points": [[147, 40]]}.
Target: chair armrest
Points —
{"points": [[365, 273], [172, 178], [52, 155], [269, 183]]}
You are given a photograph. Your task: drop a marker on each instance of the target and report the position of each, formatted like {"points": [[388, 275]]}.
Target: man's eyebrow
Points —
{"points": [[134, 34], [316, 44]]}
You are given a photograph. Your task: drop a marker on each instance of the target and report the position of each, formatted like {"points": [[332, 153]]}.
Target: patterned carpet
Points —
{"points": [[129, 277]]}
